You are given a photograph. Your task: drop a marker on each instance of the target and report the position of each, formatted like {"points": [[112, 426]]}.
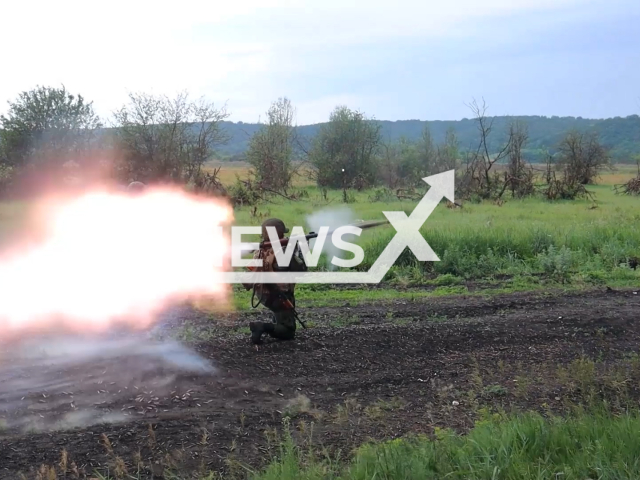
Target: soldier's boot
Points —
{"points": [[257, 329], [279, 331], [269, 328]]}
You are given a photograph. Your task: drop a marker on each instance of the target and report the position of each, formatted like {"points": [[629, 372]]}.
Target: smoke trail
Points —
{"points": [[59, 382], [332, 218]]}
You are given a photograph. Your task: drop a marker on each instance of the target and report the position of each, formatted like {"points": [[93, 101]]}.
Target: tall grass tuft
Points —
{"points": [[585, 445]]}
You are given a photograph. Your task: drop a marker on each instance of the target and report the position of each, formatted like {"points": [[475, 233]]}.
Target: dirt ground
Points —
{"points": [[368, 372]]}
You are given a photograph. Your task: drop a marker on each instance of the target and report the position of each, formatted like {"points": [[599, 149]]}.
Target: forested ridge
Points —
{"points": [[620, 134]]}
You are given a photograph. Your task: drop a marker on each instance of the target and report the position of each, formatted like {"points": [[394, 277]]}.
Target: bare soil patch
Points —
{"points": [[374, 371]]}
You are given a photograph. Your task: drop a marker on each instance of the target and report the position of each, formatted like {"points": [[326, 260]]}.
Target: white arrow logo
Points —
{"points": [[407, 235]]}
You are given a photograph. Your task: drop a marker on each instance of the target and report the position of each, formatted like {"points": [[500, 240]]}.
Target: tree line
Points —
{"points": [[50, 136], [49, 132], [349, 152], [621, 135]]}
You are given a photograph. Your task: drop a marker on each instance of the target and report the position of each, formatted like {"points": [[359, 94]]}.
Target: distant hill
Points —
{"points": [[622, 135]]}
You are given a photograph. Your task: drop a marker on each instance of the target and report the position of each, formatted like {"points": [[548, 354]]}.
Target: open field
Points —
{"points": [[229, 170], [533, 307], [530, 242], [380, 370]]}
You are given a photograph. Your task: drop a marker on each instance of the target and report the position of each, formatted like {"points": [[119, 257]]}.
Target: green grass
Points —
{"points": [[568, 245], [309, 297], [565, 241], [594, 445], [561, 239]]}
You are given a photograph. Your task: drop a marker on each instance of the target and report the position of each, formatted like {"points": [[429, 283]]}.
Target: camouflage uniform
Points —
{"points": [[283, 326]]}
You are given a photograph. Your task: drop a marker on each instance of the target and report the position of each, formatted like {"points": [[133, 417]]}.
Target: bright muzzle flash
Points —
{"points": [[109, 257]]}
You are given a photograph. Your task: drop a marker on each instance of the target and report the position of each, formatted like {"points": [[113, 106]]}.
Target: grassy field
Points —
{"points": [[535, 244], [520, 245], [531, 241], [467, 368], [519, 447], [229, 171]]}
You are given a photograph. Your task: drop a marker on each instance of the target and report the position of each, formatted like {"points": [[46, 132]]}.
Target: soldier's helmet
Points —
{"points": [[136, 187], [273, 222]]}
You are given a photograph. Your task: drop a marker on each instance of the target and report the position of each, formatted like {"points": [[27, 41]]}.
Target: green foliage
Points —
{"points": [[404, 162], [46, 126], [564, 188], [272, 147], [482, 241], [558, 240], [595, 444], [556, 262], [344, 151], [241, 193], [399, 163], [495, 390], [621, 134], [447, 279], [382, 195]]}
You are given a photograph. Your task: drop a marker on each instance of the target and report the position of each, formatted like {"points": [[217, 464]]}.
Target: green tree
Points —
{"points": [[344, 152], [428, 154], [448, 153], [404, 163], [399, 162], [272, 147], [47, 126]]}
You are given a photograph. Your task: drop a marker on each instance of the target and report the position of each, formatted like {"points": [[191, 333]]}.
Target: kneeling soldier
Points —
{"points": [[279, 298]]}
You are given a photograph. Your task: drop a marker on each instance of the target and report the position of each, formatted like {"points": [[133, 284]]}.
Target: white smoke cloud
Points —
{"points": [[332, 218]]}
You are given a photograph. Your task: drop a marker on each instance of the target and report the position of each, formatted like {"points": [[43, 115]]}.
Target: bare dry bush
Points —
{"points": [[208, 183], [582, 157], [168, 140], [632, 187], [481, 178], [564, 188]]}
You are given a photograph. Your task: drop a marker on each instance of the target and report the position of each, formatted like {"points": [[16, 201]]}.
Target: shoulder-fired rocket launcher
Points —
{"points": [[284, 241]]}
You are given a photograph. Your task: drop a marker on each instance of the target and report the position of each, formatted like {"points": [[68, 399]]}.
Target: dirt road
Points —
{"points": [[374, 371]]}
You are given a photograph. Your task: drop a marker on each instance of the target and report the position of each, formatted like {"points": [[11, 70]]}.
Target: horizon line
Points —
{"points": [[464, 119]]}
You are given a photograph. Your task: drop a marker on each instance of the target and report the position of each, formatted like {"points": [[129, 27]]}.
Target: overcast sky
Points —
{"points": [[402, 59]]}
